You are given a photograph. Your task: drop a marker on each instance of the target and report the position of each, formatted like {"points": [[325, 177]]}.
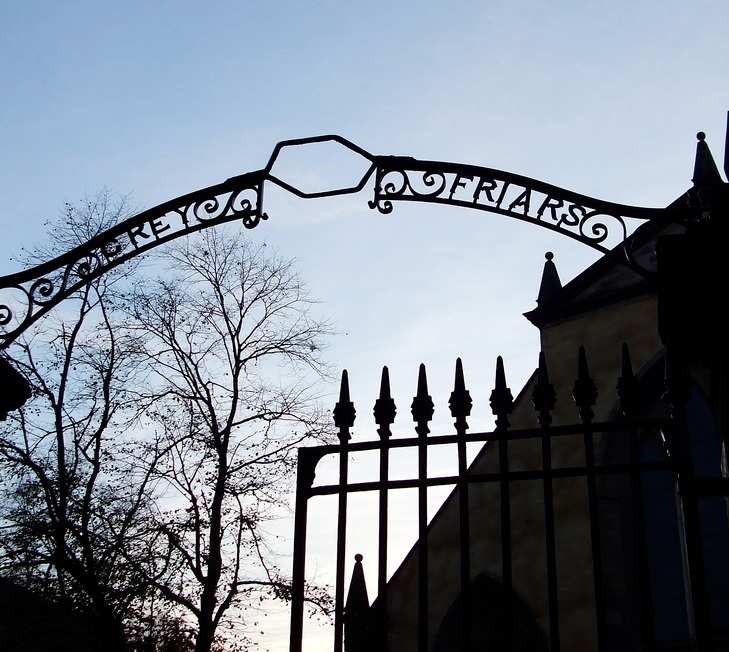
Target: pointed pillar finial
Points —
{"points": [[357, 611], [705, 171], [551, 283]]}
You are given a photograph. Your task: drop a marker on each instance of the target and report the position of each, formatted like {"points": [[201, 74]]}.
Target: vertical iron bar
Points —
{"points": [[585, 395], [464, 542], [544, 399], [678, 388], [629, 393], [460, 405], [304, 479], [595, 536], [422, 545], [344, 414], [341, 547], [505, 516], [550, 542], [646, 602], [382, 545], [384, 413], [502, 403], [422, 411]]}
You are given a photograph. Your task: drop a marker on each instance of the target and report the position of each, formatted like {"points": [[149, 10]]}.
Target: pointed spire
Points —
{"points": [[628, 389], [357, 596], [344, 412], [543, 395], [705, 171], [726, 148], [385, 409], [501, 401], [356, 611], [422, 406], [460, 401], [584, 391], [551, 283]]}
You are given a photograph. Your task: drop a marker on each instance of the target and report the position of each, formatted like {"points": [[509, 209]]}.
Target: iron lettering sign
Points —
{"points": [[593, 222]]}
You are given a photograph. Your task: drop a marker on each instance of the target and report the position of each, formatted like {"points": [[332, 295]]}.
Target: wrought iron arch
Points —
{"points": [[589, 221]]}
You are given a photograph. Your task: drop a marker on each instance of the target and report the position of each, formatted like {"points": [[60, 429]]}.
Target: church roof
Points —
{"points": [[608, 280]]}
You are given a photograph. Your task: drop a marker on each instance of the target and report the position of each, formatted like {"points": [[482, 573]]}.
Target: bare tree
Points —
{"points": [[228, 334], [76, 486]]}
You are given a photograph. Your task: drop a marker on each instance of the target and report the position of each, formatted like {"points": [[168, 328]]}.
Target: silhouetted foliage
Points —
{"points": [[233, 354], [159, 443], [76, 488]]}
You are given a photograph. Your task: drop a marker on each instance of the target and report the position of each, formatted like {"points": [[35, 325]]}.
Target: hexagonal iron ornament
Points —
{"points": [[330, 138]]}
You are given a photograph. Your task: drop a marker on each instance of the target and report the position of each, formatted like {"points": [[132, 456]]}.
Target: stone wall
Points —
{"points": [[602, 333]]}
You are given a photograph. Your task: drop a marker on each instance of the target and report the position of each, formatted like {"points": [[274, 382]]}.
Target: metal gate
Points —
{"points": [[365, 628]]}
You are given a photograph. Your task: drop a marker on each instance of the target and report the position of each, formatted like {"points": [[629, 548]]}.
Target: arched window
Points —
{"points": [[489, 622]]}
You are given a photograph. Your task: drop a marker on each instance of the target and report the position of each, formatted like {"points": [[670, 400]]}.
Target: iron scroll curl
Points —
{"points": [[593, 222], [28, 295]]}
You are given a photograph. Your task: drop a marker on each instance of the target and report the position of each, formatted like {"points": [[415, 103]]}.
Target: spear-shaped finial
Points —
{"points": [[584, 391], [385, 409], [460, 401], [543, 395], [628, 388], [344, 412], [501, 400], [422, 407]]}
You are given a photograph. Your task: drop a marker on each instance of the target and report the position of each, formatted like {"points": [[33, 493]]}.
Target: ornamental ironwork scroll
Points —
{"points": [[593, 222], [28, 295]]}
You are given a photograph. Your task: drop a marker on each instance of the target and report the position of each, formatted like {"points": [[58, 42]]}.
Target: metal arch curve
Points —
{"points": [[397, 178], [44, 286]]}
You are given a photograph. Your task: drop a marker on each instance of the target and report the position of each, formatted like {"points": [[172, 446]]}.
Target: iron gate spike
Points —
{"points": [[422, 407], [544, 397], [584, 391], [501, 400], [627, 387], [460, 401], [344, 412], [385, 409]]}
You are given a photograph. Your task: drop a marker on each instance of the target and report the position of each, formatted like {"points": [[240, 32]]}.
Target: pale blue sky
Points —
{"points": [[159, 98]]}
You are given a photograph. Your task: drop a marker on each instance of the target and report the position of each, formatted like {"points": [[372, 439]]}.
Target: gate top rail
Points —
{"points": [[27, 295]]}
